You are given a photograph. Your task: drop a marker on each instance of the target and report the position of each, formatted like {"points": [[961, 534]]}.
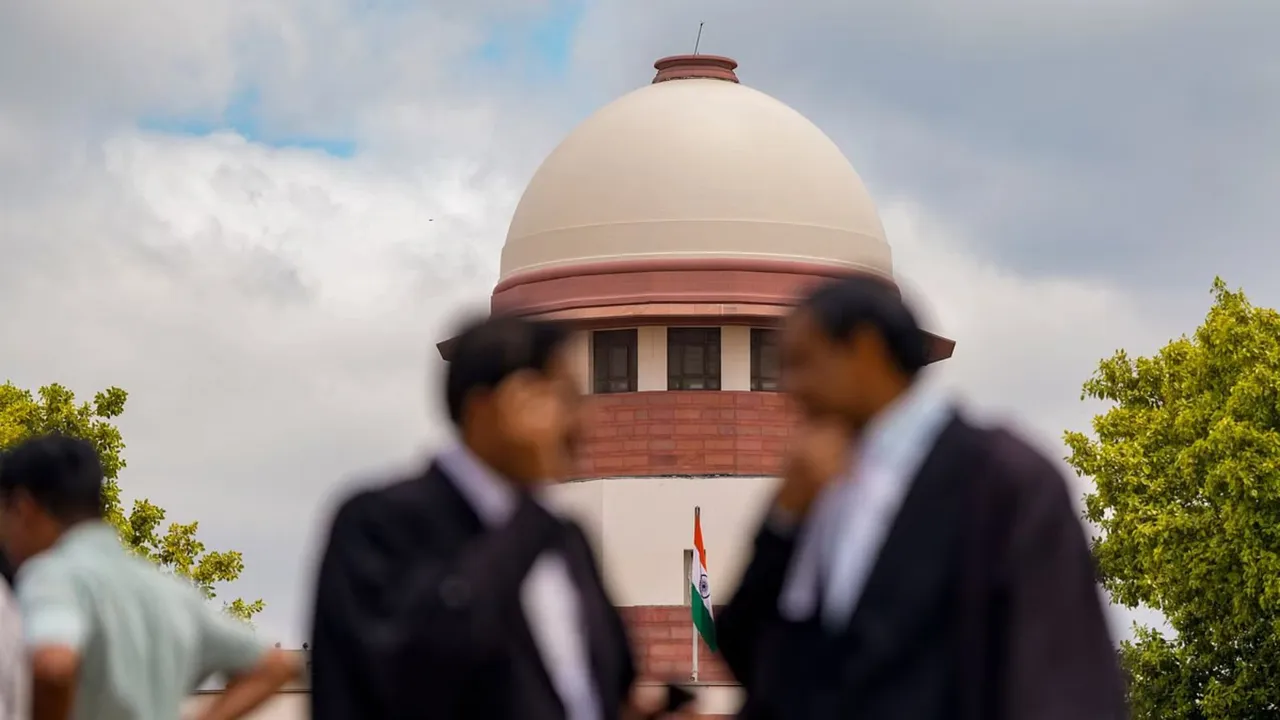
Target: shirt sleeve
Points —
{"points": [[52, 611], [227, 645]]}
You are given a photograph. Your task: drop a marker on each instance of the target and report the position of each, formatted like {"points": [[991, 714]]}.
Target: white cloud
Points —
{"points": [[357, 240]]}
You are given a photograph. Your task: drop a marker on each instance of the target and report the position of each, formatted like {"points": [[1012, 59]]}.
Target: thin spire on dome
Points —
{"points": [[690, 67]]}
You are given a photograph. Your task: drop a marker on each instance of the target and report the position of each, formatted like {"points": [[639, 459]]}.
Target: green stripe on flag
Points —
{"points": [[702, 620]]}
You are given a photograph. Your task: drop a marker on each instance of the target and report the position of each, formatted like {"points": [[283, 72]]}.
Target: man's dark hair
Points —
{"points": [[841, 307], [62, 474], [491, 350]]}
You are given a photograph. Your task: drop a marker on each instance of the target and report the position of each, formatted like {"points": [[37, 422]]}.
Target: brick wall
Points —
{"points": [[662, 636], [686, 433]]}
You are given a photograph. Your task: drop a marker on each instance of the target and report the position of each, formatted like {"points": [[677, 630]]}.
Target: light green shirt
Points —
{"points": [[145, 639]]}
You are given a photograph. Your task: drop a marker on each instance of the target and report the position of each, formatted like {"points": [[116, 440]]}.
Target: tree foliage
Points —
{"points": [[1186, 466], [177, 549]]}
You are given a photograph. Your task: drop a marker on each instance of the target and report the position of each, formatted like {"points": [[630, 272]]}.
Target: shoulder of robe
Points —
{"points": [[575, 536], [355, 507], [1022, 470], [370, 511], [574, 531]]}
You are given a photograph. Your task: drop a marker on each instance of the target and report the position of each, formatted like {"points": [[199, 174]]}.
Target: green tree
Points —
{"points": [[1186, 468], [177, 549]]}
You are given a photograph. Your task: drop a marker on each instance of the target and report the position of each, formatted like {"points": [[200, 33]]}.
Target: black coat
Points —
{"points": [[6, 569], [982, 605], [418, 614]]}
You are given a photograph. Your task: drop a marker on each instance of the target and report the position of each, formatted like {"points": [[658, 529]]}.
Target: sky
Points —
{"points": [[258, 218]]}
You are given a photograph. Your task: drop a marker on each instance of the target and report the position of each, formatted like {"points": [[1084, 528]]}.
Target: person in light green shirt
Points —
{"points": [[110, 636]]}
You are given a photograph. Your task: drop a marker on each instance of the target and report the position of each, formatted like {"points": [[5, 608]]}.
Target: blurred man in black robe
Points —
{"points": [[912, 566], [455, 593]]}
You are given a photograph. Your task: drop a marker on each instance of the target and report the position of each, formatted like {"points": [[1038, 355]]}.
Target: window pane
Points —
{"points": [[612, 358], [619, 361], [692, 360], [766, 365], [769, 365]]}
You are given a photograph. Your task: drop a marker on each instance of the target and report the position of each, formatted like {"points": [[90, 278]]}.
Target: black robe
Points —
{"points": [[418, 614], [982, 605]]}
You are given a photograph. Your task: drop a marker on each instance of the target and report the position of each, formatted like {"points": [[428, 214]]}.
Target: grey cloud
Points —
{"points": [[82, 61], [1132, 141]]}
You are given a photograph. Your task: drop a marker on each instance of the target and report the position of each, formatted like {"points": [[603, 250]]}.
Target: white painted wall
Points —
{"points": [[644, 525], [735, 357], [579, 352], [585, 503], [651, 358]]}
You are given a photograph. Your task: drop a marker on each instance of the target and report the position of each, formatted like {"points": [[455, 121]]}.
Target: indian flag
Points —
{"points": [[701, 595]]}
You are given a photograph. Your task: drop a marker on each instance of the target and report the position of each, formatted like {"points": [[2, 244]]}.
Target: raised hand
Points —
{"points": [[819, 452]]}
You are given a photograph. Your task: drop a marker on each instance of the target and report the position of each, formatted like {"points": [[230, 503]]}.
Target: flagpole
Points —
{"points": [[695, 597]]}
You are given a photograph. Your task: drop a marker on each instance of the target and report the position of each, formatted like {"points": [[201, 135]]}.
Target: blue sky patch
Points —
{"points": [[539, 47], [242, 117], [548, 39]]}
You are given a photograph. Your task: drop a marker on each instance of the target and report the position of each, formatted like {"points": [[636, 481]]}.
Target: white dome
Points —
{"points": [[696, 168]]}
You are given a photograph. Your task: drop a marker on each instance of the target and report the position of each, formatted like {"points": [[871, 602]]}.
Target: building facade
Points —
{"points": [[673, 230]]}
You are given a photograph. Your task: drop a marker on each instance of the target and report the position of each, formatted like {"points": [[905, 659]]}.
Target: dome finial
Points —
{"points": [[689, 67]]}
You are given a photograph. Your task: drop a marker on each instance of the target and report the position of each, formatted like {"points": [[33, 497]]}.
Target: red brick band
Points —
{"points": [[662, 636], [686, 433]]}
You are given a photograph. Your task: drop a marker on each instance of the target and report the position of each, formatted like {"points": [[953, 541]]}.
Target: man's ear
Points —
{"points": [[54, 665]]}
